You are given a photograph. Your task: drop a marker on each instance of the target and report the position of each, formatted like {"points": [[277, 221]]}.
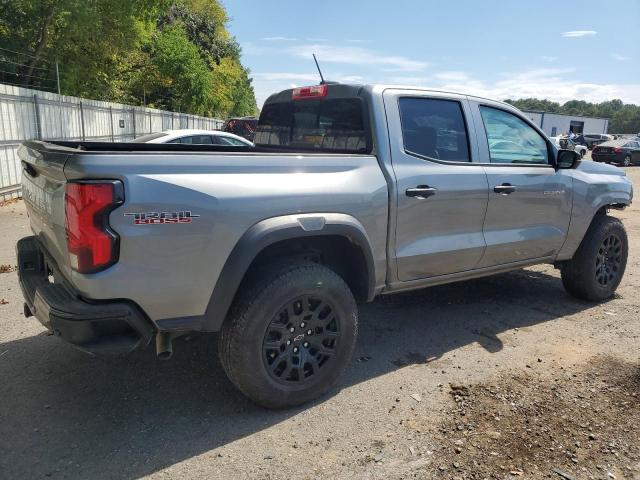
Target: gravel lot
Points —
{"points": [[502, 377]]}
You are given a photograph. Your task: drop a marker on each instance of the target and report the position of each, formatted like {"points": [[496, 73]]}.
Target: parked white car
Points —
{"points": [[195, 137], [568, 144]]}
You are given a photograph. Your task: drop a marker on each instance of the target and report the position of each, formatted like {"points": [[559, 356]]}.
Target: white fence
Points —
{"points": [[27, 114]]}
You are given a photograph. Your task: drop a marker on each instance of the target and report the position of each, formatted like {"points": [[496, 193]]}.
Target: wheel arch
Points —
{"points": [[271, 232], [611, 200]]}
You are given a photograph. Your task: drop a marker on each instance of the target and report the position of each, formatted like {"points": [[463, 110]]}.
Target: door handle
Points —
{"points": [[504, 189], [421, 191]]}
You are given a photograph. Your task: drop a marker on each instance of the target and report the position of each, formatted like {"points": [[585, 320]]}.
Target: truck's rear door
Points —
{"points": [[441, 194]]}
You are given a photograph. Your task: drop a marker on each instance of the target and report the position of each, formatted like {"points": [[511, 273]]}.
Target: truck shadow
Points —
{"points": [[65, 414]]}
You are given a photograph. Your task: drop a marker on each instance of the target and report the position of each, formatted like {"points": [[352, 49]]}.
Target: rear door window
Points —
{"points": [[511, 139], [326, 125], [228, 141], [193, 140], [434, 128], [201, 140]]}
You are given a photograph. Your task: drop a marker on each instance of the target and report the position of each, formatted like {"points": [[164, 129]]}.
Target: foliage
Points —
{"points": [[623, 118], [174, 54]]}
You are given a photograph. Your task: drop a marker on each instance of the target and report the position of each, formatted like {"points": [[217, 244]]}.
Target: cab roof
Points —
{"points": [[340, 90]]}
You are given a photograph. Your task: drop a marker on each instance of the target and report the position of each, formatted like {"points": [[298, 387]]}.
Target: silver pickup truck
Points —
{"points": [[350, 192]]}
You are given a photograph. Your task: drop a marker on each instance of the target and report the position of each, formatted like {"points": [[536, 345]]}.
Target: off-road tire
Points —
{"points": [[580, 275], [265, 300]]}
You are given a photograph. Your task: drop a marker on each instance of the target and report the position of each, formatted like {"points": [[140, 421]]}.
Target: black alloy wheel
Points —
{"points": [[609, 260], [301, 339]]}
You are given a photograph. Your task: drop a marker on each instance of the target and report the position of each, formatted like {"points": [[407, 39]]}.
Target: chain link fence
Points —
{"points": [[27, 114]]}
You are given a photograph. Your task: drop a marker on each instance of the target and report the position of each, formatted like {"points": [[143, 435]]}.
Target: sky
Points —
{"points": [[558, 50]]}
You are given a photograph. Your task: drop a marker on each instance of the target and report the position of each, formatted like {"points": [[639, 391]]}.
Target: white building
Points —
{"points": [[557, 124]]}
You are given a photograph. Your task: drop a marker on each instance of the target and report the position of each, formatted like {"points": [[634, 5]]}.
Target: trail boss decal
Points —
{"points": [[162, 218]]}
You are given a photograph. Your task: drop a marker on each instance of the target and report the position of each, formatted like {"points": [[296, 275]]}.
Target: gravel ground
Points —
{"points": [[502, 377]]}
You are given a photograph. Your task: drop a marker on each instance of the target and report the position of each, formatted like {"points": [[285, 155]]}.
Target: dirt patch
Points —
{"points": [[10, 202], [573, 426], [7, 268]]}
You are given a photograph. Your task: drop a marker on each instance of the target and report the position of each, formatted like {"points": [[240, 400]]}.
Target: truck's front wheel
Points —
{"points": [[598, 265], [289, 335]]}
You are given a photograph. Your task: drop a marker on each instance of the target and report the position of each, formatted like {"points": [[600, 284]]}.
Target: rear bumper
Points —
{"points": [[96, 327]]}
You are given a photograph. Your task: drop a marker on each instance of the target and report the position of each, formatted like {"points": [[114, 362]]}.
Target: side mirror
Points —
{"points": [[567, 159]]}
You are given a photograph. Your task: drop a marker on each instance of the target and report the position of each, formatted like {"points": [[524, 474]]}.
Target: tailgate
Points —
{"points": [[43, 184]]}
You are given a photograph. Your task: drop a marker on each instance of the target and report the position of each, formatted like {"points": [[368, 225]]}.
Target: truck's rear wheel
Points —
{"points": [[289, 335], [597, 268]]}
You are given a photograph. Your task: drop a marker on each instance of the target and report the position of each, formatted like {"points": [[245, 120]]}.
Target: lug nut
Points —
{"points": [[292, 329], [302, 325], [305, 344], [295, 349], [288, 342], [309, 332]]}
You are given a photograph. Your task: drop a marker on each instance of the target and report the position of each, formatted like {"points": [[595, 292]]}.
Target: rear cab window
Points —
{"points": [[335, 122]]}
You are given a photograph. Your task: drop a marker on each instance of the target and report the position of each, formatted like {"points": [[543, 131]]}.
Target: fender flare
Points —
{"points": [[577, 232], [272, 230]]}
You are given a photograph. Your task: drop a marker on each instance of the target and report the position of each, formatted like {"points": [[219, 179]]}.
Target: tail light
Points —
{"points": [[315, 91], [91, 243], [617, 150]]}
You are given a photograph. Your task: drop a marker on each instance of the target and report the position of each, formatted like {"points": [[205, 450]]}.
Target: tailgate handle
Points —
{"points": [[29, 169]]}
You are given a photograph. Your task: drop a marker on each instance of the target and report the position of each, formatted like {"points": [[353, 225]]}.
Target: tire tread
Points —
{"points": [[231, 340]]}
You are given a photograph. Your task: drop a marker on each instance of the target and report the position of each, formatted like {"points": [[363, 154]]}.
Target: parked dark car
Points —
{"points": [[243, 126], [593, 139], [624, 152]]}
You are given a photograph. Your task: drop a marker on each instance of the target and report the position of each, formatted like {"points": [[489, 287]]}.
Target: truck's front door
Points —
{"points": [[441, 195], [529, 201]]}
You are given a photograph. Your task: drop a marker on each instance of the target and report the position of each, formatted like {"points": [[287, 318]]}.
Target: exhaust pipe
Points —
{"points": [[164, 348]]}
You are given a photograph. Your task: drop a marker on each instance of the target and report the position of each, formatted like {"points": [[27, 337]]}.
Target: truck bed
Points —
{"points": [[67, 145], [225, 190]]}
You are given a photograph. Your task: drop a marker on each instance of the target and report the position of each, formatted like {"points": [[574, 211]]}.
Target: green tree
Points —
{"points": [[186, 80], [171, 54]]}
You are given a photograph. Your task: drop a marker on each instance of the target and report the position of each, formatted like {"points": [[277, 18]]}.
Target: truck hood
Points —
{"points": [[600, 168]]}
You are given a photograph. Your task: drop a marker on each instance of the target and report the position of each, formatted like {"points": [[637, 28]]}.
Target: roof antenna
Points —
{"points": [[322, 82]]}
